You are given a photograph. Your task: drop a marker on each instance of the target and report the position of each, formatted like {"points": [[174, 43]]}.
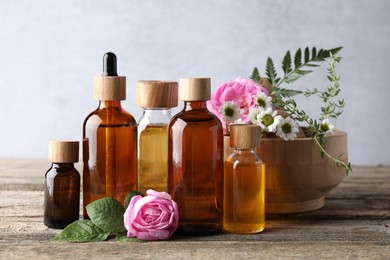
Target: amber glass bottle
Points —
{"points": [[62, 185], [109, 140], [156, 98], [195, 160], [244, 182]]}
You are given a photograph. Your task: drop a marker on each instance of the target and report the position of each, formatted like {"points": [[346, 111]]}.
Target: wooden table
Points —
{"points": [[355, 222]]}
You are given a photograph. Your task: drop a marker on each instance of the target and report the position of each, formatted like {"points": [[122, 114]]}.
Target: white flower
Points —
{"points": [[287, 129], [262, 100], [326, 127], [268, 120], [254, 113], [230, 111]]}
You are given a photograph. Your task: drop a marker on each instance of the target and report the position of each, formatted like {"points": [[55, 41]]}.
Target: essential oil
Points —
{"points": [[244, 183], [109, 140], [195, 164], [62, 185], [156, 98]]}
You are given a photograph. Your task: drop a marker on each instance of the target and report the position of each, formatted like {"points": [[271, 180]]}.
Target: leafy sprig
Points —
{"points": [[293, 69], [330, 109]]}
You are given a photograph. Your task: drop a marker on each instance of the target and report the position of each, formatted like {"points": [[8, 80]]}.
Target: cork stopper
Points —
{"points": [[195, 89], [157, 94], [109, 86], [245, 136], [63, 151]]}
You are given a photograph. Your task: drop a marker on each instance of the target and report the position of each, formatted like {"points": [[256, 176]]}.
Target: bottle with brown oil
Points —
{"points": [[244, 182], [109, 140], [62, 185], [157, 98], [195, 160]]}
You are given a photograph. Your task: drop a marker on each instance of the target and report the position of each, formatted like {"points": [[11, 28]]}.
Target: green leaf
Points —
{"points": [[286, 63], [298, 59], [307, 55], [107, 214], [313, 53], [256, 75], [124, 238], [292, 78], [335, 50], [312, 65], [131, 194], [303, 72], [82, 231], [270, 71], [285, 92]]}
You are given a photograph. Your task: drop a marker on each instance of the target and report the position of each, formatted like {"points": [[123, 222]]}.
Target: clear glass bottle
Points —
{"points": [[109, 140], [244, 182], [62, 185], [195, 160], [157, 98]]}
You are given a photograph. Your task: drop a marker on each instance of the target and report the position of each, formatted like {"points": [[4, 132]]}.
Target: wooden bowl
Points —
{"points": [[297, 178]]}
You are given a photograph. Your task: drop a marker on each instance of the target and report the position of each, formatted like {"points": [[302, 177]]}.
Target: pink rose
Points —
{"points": [[241, 91], [153, 217]]}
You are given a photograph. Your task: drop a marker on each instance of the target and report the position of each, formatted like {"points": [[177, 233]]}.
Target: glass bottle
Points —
{"points": [[244, 182], [109, 140], [157, 98], [195, 160], [62, 185]]}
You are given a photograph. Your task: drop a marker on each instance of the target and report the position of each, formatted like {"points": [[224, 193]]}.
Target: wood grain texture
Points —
{"points": [[109, 88], [195, 89], [156, 94], [354, 223]]}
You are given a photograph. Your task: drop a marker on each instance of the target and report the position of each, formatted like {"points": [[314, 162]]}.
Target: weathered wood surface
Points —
{"points": [[355, 223]]}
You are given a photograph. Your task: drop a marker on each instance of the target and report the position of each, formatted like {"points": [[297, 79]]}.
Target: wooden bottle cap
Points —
{"points": [[110, 88], [195, 89], [63, 151], [245, 136], [156, 94]]}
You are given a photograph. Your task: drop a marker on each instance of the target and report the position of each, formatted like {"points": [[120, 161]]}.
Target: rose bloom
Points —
{"points": [[241, 91], [153, 217]]}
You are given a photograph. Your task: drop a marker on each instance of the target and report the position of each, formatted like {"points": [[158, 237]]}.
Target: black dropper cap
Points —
{"points": [[109, 64]]}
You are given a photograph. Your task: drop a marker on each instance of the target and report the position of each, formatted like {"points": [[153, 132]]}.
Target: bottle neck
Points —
{"points": [[109, 104], [63, 165], [195, 105], [156, 115], [245, 150]]}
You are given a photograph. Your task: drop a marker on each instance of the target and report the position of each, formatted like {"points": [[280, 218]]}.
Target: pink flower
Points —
{"points": [[153, 217], [240, 91]]}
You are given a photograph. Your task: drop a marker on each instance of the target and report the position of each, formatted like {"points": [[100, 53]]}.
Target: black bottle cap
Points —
{"points": [[109, 64]]}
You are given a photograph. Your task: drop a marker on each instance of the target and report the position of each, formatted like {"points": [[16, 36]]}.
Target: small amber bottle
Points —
{"points": [[109, 140], [195, 160], [62, 185], [244, 182], [157, 98]]}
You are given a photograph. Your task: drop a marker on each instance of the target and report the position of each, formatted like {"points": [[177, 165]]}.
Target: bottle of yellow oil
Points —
{"points": [[157, 98], [244, 182]]}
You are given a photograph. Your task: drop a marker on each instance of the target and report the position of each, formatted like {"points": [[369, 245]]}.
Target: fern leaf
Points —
{"points": [[313, 53], [298, 58], [270, 71], [303, 72], [286, 63], [307, 55], [256, 75]]}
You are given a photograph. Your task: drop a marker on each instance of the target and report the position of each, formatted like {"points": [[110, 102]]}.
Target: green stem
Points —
{"points": [[337, 161]]}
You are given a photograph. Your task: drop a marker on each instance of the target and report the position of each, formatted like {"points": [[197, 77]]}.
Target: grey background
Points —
{"points": [[51, 50]]}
